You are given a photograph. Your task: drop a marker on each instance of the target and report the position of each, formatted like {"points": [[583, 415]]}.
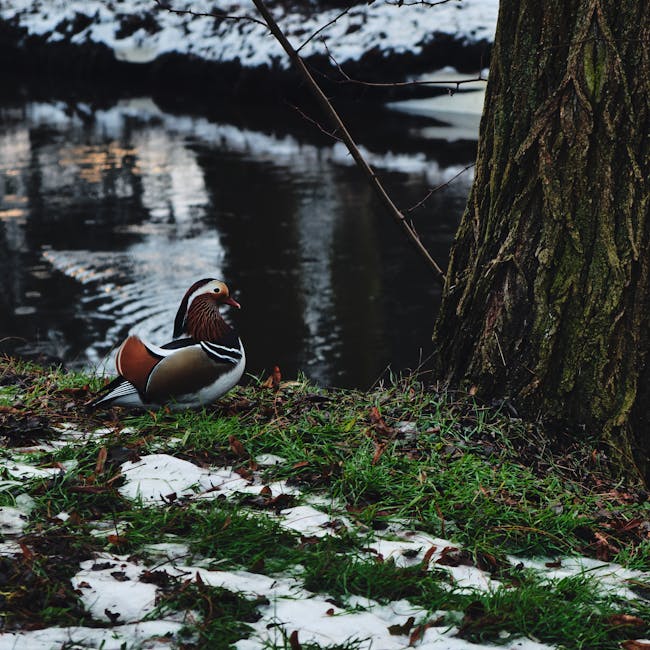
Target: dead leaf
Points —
{"points": [[635, 645], [405, 628], [112, 616], [626, 620], [604, 550], [120, 576], [293, 641], [379, 450], [379, 424], [101, 460], [447, 557], [236, 447], [419, 631], [427, 556], [274, 379], [28, 554]]}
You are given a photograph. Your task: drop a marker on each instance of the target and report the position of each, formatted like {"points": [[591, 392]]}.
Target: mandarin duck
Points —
{"points": [[204, 360]]}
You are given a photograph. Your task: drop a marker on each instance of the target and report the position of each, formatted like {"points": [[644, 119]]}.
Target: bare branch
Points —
{"points": [[340, 127], [425, 3], [207, 14], [396, 84], [432, 191], [331, 134], [324, 27]]}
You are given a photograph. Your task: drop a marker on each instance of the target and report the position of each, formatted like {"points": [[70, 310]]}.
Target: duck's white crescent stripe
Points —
{"points": [[224, 348], [221, 352]]}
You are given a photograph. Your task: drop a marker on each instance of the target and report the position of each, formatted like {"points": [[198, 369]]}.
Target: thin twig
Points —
{"points": [[433, 190], [306, 117], [340, 127], [208, 14], [410, 3], [324, 27], [347, 79]]}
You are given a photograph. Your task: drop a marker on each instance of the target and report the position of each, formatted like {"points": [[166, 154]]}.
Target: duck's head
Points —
{"points": [[206, 293]]}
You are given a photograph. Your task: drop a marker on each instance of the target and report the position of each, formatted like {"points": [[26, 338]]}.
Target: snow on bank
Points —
{"points": [[139, 32]]}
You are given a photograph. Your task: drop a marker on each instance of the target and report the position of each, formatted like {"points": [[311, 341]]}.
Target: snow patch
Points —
{"points": [[158, 478], [152, 635], [111, 590]]}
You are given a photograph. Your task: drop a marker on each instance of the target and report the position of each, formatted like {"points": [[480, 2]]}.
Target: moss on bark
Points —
{"points": [[547, 292]]}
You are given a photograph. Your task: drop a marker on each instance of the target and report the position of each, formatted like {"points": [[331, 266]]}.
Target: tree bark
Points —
{"points": [[547, 296]]}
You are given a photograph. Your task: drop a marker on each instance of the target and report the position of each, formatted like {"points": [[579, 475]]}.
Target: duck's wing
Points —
{"points": [[134, 361], [190, 370]]}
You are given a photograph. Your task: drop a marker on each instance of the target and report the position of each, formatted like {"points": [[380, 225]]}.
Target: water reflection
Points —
{"points": [[108, 215]]}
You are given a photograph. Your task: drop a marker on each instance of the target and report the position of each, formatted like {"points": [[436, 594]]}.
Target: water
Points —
{"points": [[108, 215]]}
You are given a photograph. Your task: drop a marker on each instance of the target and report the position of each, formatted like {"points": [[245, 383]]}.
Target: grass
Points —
{"points": [[231, 538], [216, 617], [458, 470]]}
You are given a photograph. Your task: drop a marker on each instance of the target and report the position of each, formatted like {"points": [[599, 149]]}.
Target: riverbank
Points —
{"points": [[291, 516], [152, 49]]}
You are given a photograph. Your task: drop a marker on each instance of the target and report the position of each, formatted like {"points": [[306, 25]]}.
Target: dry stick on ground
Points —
{"points": [[340, 129]]}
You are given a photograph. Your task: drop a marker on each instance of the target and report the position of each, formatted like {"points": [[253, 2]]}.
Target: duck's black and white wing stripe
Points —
{"points": [[223, 353], [119, 389]]}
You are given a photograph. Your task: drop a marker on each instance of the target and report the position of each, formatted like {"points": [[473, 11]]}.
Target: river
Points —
{"points": [[108, 213]]}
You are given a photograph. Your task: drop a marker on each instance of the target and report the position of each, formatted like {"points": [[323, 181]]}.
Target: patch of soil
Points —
{"points": [[23, 429], [35, 587]]}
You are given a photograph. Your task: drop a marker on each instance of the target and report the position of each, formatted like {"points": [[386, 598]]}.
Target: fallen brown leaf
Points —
{"points": [[101, 460], [405, 628], [293, 641], [626, 620], [236, 446], [274, 379], [379, 450]]}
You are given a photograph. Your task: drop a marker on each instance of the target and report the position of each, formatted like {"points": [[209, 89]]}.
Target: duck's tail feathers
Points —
{"points": [[120, 391]]}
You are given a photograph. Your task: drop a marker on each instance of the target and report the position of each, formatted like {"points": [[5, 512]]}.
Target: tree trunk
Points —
{"points": [[547, 293]]}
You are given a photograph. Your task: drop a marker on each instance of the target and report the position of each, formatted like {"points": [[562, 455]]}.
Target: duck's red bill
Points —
{"points": [[232, 301]]}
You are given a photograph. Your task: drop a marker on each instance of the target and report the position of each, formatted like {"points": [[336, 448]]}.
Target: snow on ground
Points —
{"points": [[154, 478], [152, 635], [111, 589], [108, 583], [154, 31]]}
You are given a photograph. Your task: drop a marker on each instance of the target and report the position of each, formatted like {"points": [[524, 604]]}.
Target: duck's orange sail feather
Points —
{"points": [[135, 362]]}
